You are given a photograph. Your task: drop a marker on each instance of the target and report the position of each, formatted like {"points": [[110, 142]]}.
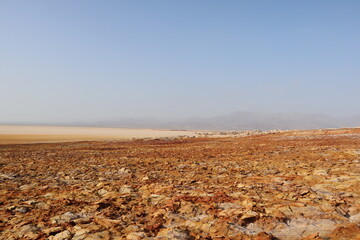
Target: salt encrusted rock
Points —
{"points": [[132, 228], [65, 235], [124, 171], [30, 231], [52, 230], [322, 172], [126, 189], [65, 217], [104, 235], [136, 236], [80, 233], [174, 233], [22, 209], [291, 185]]}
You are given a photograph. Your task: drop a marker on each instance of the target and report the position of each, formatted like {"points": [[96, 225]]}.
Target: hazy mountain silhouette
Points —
{"points": [[233, 121], [241, 121]]}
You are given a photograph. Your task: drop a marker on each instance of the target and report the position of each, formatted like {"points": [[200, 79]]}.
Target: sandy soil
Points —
{"points": [[11, 134]]}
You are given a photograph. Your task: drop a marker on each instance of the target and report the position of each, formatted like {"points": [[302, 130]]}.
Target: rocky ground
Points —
{"points": [[283, 185]]}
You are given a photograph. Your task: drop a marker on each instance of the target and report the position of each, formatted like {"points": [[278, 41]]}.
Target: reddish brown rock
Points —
{"points": [[286, 185]]}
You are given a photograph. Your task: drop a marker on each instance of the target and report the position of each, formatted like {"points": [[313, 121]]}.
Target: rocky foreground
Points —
{"points": [[285, 185]]}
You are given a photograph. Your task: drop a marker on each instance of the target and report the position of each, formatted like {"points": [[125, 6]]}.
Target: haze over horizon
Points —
{"points": [[86, 61]]}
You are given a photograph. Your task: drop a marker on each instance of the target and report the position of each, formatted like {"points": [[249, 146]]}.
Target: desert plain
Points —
{"points": [[90, 184], [36, 134]]}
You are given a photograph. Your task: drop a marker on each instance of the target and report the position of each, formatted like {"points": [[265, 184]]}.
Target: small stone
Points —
{"points": [[80, 234], [102, 191], [321, 172], [355, 218], [11, 208], [22, 209], [248, 204], [126, 189], [124, 171], [241, 185], [342, 211], [249, 216], [64, 235], [31, 202], [174, 233], [136, 236], [66, 217], [347, 194], [131, 228], [304, 192], [156, 198], [42, 205], [48, 195], [264, 236], [7, 176], [84, 220], [107, 222], [26, 187], [28, 231], [313, 236], [92, 227], [105, 235], [52, 230], [145, 178]]}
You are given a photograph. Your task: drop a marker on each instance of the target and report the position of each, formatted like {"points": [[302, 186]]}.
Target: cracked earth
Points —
{"points": [[281, 185]]}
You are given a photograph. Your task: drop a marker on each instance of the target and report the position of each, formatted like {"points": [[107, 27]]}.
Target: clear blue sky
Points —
{"points": [[106, 60]]}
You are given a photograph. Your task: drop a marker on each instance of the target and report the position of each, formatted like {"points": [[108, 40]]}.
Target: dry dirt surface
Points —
{"points": [[284, 185], [14, 134]]}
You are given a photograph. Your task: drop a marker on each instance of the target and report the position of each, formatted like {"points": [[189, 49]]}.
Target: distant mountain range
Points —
{"points": [[241, 121], [234, 121]]}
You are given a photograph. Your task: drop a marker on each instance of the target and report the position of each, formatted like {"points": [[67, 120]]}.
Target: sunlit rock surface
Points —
{"points": [[273, 185]]}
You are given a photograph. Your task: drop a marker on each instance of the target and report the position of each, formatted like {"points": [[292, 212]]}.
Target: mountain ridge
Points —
{"points": [[240, 120]]}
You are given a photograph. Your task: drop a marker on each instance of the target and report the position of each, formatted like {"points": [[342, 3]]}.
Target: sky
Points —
{"points": [[65, 61]]}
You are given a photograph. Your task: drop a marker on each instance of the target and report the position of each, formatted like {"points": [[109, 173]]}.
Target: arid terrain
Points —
{"points": [[274, 185], [11, 134]]}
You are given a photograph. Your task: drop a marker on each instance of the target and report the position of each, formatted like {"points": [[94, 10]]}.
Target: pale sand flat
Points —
{"points": [[13, 134]]}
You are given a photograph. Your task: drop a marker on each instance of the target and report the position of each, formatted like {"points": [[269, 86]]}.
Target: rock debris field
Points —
{"points": [[281, 185]]}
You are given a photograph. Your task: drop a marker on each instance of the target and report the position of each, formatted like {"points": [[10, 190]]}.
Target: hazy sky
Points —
{"points": [[106, 60]]}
